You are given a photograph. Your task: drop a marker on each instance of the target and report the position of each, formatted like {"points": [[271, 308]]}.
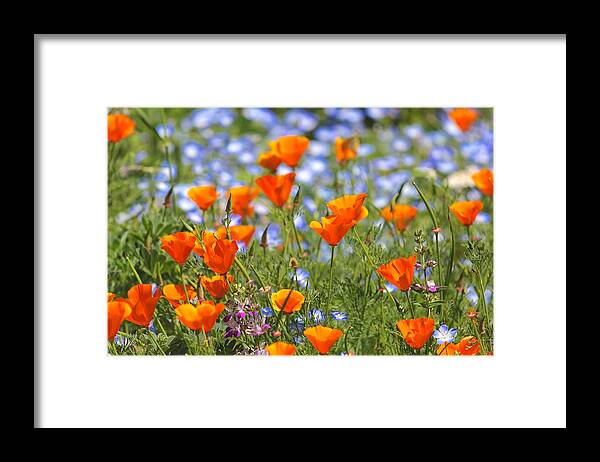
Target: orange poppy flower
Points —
{"points": [[218, 253], [111, 296], [179, 245], [280, 349], [200, 317], [142, 303], [322, 338], [466, 211], [270, 160], [203, 196], [290, 148], [484, 180], [287, 302], [217, 286], [175, 294], [277, 187], [401, 214], [118, 310], [349, 207], [463, 117], [346, 148], [416, 332], [447, 349], [399, 272], [241, 196], [469, 346], [331, 228], [240, 233], [119, 126]]}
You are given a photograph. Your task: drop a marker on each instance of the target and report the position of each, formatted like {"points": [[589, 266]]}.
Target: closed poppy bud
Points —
{"points": [[469, 346], [119, 126], [416, 332], [290, 148], [350, 207], [277, 187], [322, 338], [280, 349], [217, 286], [200, 317], [203, 196], [179, 245], [240, 197], [400, 214], [288, 301], [332, 229], [118, 310], [218, 253], [270, 160], [240, 233], [484, 180], [175, 294], [399, 272], [447, 349], [346, 149], [466, 211], [143, 299], [463, 117]]}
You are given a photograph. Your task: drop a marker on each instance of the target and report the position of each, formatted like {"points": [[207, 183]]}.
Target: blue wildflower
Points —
{"points": [[339, 315], [445, 335]]}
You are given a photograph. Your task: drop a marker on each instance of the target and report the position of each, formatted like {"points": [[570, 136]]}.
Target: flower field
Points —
{"points": [[334, 231]]}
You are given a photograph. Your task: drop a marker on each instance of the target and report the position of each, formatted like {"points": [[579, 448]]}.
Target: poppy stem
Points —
{"points": [[330, 277], [243, 269], [187, 297], [410, 305], [137, 276]]}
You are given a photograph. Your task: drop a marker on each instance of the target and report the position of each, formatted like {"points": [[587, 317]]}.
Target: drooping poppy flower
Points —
{"points": [[484, 180], [469, 346], [399, 272], [179, 245], [111, 296], [280, 349], [416, 332], [175, 294], [203, 196], [277, 187], [119, 126], [217, 286], [118, 310], [466, 211], [286, 301], [349, 207], [331, 228], [270, 160], [463, 117], [218, 253], [240, 233], [290, 148], [447, 349], [200, 317], [241, 196], [322, 338], [346, 148], [143, 299], [401, 215]]}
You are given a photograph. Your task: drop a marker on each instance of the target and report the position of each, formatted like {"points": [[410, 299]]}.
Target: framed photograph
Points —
{"points": [[373, 236]]}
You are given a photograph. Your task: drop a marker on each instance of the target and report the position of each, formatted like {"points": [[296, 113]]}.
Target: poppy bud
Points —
{"points": [[263, 238], [294, 263], [276, 334]]}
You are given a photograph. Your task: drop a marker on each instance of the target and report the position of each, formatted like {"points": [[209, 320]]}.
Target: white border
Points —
{"points": [[524, 384]]}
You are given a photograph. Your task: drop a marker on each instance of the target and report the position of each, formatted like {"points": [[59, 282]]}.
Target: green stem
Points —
{"points": [[243, 269], [410, 305], [137, 276], [330, 277], [187, 297]]}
